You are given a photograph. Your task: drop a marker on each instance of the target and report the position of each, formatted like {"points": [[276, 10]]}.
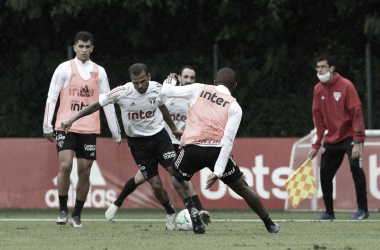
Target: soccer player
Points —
{"points": [[337, 108], [212, 124], [78, 83], [143, 113], [178, 109]]}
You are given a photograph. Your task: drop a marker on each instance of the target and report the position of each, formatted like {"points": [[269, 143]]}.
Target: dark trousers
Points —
{"points": [[332, 157]]}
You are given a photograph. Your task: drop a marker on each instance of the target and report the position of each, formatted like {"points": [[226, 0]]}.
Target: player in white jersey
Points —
{"points": [[78, 82], [143, 113], [213, 121], [178, 109]]}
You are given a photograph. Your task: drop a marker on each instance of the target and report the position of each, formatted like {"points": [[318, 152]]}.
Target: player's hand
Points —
{"points": [[312, 153], [173, 76], [49, 136], [177, 133], [356, 151], [172, 79], [66, 125], [211, 180]]}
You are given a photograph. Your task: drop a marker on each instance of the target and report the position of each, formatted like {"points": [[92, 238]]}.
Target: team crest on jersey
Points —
{"points": [[60, 144], [337, 95], [152, 100]]}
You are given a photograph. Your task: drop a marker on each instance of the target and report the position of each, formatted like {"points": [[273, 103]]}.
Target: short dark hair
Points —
{"points": [[330, 60], [186, 67], [226, 76], [84, 36], [137, 68]]}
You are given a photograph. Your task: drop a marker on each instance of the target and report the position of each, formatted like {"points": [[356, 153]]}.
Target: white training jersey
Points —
{"points": [[61, 79], [178, 109], [140, 113]]}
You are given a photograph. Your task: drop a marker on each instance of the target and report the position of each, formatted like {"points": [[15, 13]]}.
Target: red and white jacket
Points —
{"points": [[337, 108]]}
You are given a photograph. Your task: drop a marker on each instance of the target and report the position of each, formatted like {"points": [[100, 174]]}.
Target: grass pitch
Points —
{"points": [[145, 229]]}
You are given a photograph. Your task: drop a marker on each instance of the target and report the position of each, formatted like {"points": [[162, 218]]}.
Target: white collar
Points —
{"points": [[79, 62], [223, 89]]}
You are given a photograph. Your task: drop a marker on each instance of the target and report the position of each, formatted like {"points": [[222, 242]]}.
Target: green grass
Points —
{"points": [[221, 234]]}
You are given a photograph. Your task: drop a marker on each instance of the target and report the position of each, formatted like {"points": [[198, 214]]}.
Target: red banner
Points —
{"points": [[29, 169]]}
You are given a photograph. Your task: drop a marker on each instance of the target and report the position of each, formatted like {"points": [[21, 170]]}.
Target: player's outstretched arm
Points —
{"points": [[66, 125], [166, 115]]}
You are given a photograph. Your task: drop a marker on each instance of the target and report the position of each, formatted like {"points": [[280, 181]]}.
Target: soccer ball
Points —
{"points": [[183, 221]]}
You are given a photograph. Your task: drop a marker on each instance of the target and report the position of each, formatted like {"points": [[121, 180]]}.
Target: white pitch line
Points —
{"points": [[161, 220]]}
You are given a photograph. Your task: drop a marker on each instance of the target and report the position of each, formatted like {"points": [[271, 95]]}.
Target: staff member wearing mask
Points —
{"points": [[337, 108]]}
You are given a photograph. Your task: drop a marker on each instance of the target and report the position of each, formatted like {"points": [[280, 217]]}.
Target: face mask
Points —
{"points": [[325, 77]]}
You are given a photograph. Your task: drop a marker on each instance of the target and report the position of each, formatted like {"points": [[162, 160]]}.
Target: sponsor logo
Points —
{"points": [[141, 115], [89, 147], [133, 104], [98, 196], [169, 155], [178, 117], [60, 137], [337, 95], [81, 91], [92, 154], [206, 94], [229, 173], [77, 106], [206, 121], [85, 92], [152, 100], [207, 142], [60, 143], [142, 169]]}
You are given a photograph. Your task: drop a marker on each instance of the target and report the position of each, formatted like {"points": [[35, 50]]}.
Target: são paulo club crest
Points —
{"points": [[152, 100], [337, 95]]}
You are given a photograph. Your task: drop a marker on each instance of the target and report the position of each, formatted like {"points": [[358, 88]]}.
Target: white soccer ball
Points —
{"points": [[183, 221]]}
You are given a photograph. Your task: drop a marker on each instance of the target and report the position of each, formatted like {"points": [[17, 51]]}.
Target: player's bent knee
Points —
{"points": [[139, 178]]}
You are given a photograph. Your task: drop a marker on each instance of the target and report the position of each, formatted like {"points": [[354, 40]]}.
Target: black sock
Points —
{"points": [[188, 203], [129, 187], [63, 203], [197, 203], [169, 208], [78, 208], [267, 221]]}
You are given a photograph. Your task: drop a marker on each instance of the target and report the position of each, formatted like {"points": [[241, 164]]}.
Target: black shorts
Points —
{"points": [[84, 145], [192, 159], [176, 148], [148, 151]]}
